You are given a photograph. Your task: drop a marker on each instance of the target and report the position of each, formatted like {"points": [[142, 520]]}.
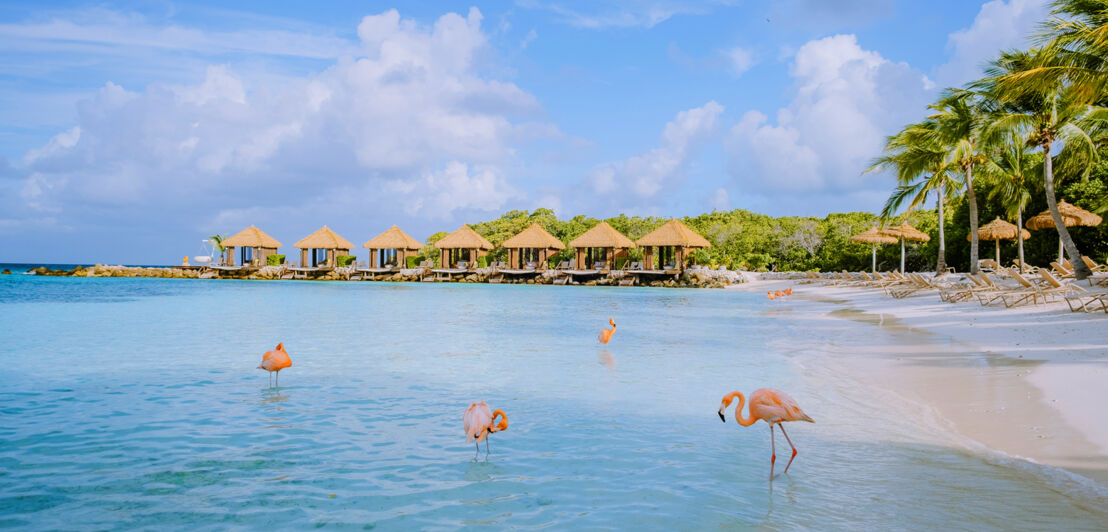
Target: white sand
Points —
{"points": [[1029, 381]]}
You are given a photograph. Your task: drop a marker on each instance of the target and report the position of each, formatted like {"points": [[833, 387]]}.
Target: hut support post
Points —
{"points": [[874, 258], [902, 255], [998, 250], [303, 258], [1061, 251]]}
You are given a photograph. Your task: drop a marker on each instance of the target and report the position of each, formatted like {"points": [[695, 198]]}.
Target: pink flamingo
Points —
{"points": [[606, 334], [773, 407], [275, 361], [478, 423]]}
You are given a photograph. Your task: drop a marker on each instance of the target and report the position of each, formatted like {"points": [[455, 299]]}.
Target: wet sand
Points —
{"points": [[1030, 382]]}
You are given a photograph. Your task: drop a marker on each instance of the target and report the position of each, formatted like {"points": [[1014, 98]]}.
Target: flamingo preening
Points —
{"points": [[275, 361], [606, 334], [478, 422], [773, 407]]}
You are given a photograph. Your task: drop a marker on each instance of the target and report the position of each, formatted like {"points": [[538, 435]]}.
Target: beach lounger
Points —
{"points": [[1096, 268], [1061, 270], [1026, 268], [1030, 293], [960, 293]]}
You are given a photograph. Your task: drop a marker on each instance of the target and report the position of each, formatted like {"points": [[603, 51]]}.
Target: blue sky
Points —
{"points": [[131, 130]]}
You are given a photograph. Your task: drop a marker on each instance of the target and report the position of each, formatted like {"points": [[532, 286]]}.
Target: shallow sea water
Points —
{"points": [[135, 403]]}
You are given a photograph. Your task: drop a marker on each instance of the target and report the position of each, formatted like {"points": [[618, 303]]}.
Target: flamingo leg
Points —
{"points": [[790, 445], [773, 451], [278, 378], [486, 445], [270, 375]]}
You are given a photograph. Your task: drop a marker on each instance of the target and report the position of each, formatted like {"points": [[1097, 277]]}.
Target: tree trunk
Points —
{"points": [[940, 266], [1019, 235], [972, 198], [1080, 269]]}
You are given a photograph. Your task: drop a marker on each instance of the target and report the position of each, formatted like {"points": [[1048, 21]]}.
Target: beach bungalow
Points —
{"points": [[254, 247], [666, 249], [530, 250], [389, 250], [459, 250], [318, 250], [596, 250]]}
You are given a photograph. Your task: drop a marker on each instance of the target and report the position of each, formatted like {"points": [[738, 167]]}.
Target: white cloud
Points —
{"points": [[999, 25], [647, 174], [412, 102], [739, 59], [719, 200], [528, 39], [847, 100], [608, 14]]}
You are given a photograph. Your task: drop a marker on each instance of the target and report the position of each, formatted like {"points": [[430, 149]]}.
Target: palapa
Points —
{"points": [[602, 236], [251, 237], [906, 232], [324, 238], [676, 234], [1071, 216], [874, 236], [998, 230], [534, 237], [393, 238], [464, 238]]}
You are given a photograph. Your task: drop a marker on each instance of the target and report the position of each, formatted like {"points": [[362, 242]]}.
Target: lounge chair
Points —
{"points": [[1096, 268], [957, 294], [988, 265], [1030, 293], [1026, 268], [1061, 270], [918, 283]]}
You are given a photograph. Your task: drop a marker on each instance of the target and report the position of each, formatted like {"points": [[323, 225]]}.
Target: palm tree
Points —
{"points": [[1010, 169], [958, 125], [921, 169], [1050, 115]]}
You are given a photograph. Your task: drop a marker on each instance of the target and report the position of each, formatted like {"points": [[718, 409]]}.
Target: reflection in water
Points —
{"points": [[273, 396], [604, 358]]}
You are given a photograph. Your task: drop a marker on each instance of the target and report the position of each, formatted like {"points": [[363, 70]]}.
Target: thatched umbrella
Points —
{"points": [[998, 230], [1071, 216], [905, 232], [874, 236]]}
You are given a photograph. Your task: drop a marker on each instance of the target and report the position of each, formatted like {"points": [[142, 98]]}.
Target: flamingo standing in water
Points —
{"points": [[478, 422], [275, 361], [769, 295], [773, 407], [606, 334]]}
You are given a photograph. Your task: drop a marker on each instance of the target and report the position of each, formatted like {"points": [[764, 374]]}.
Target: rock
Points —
{"points": [[6, 272]]}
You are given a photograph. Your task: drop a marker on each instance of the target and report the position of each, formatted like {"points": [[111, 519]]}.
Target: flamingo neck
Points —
{"points": [[739, 410], [497, 427]]}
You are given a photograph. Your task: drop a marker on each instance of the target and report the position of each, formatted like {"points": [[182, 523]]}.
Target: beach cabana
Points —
{"points": [[254, 247], [1071, 216], [532, 246], [390, 250], [906, 232], [666, 248], [463, 245], [597, 249], [874, 236], [998, 230], [318, 250]]}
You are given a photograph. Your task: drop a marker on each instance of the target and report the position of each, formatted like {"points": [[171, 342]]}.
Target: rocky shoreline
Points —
{"points": [[693, 278]]}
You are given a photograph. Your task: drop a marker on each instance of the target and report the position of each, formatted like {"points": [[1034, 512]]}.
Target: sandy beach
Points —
{"points": [[1027, 382]]}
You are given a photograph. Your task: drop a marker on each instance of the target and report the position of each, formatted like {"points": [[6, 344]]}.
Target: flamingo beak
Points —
{"points": [[721, 418]]}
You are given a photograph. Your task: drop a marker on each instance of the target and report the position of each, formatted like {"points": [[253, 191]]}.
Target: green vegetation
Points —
{"points": [[344, 260], [275, 260]]}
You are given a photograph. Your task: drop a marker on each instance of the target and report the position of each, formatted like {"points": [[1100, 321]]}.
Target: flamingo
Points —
{"points": [[478, 422], [789, 291], [275, 361], [770, 295], [773, 407], [606, 334]]}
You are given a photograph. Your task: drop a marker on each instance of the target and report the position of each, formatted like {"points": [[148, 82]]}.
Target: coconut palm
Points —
{"points": [[1010, 169], [1050, 116], [958, 122], [921, 169]]}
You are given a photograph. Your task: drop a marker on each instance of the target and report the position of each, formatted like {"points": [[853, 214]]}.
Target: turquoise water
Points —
{"points": [[134, 403]]}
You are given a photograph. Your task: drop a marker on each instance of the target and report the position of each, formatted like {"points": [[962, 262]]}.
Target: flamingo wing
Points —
{"points": [[476, 419], [775, 406]]}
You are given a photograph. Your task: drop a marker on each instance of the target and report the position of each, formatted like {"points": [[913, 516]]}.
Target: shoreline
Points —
{"points": [[1027, 382]]}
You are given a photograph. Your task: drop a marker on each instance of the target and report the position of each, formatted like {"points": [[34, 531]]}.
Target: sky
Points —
{"points": [[130, 131]]}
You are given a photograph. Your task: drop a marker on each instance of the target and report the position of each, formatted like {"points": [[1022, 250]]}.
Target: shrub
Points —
{"points": [[621, 261], [344, 260], [483, 261], [275, 260], [413, 261]]}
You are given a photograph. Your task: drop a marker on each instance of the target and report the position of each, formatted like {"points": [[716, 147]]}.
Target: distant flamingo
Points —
{"points": [[773, 407], [769, 295], [606, 334], [779, 294], [478, 422], [275, 361], [789, 291]]}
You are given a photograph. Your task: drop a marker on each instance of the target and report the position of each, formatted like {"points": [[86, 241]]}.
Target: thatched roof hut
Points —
{"points": [[998, 230], [906, 232], [1071, 216], [533, 244], [463, 244], [391, 246], [323, 240], [874, 236], [673, 240], [254, 246], [602, 242]]}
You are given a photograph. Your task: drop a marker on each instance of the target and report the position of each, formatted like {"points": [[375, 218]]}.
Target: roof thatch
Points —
{"points": [[393, 238], [324, 238], [1071, 216], [874, 236], [907, 232], [999, 230], [534, 237], [252, 237], [674, 233], [602, 236], [464, 238]]}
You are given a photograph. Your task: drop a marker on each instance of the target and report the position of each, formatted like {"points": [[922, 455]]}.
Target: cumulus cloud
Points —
{"points": [[846, 101], [646, 174], [410, 112], [739, 59], [608, 14], [999, 25]]}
